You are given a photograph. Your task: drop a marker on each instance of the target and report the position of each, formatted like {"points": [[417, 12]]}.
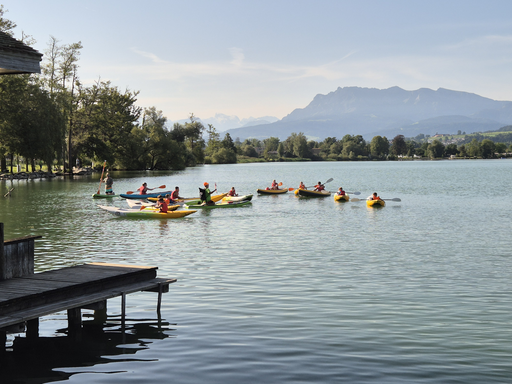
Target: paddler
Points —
{"points": [[374, 196], [302, 186], [162, 204], [108, 184], [144, 189], [274, 185], [208, 194], [232, 192], [175, 195], [341, 192], [319, 187]]}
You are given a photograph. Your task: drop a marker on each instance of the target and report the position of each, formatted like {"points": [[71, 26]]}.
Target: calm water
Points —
{"points": [[287, 290]]}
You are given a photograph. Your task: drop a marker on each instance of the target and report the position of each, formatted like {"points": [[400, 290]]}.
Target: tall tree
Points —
{"points": [[379, 147], [398, 146]]}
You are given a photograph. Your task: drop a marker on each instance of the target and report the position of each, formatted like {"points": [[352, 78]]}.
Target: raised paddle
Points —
{"points": [[149, 189], [101, 178], [328, 181]]}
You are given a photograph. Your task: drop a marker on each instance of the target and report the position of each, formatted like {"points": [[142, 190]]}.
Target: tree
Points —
{"points": [[6, 25], [435, 149], [398, 146], [487, 149], [451, 149], [379, 147], [473, 148]]}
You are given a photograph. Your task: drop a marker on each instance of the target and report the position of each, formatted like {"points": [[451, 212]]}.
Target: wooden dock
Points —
{"points": [[26, 296]]}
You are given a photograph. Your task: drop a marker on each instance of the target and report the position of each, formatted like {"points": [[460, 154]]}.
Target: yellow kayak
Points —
{"points": [[375, 203], [215, 198], [341, 197]]}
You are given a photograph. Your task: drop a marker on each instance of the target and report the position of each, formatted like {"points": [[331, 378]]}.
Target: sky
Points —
{"points": [[268, 57]]}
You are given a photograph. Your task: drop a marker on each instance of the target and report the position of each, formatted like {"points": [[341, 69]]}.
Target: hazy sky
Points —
{"points": [[257, 58]]}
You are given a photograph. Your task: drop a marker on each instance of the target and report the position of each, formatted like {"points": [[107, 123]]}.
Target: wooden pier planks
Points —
{"points": [[36, 295]]}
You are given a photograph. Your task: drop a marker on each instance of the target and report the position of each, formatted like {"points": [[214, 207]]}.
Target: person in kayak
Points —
{"points": [[208, 194], [341, 192], [302, 186], [232, 192], [162, 204], [374, 196], [274, 185], [143, 190], [168, 199], [175, 195], [319, 187], [108, 185]]}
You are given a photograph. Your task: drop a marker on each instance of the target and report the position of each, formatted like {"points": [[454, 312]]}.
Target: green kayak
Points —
{"points": [[231, 204]]}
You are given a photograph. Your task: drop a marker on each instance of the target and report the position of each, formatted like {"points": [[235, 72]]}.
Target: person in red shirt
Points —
{"points": [[162, 204], [232, 192], [274, 185], [175, 195], [374, 197], [302, 186], [319, 187], [341, 192], [144, 189]]}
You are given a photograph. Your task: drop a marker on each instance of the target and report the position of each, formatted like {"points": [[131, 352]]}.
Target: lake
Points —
{"points": [[288, 289]]}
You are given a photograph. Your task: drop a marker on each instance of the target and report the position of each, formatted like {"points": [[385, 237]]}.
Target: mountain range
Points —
{"points": [[385, 112]]}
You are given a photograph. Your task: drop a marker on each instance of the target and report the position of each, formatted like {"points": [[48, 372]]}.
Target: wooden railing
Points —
{"points": [[16, 256]]}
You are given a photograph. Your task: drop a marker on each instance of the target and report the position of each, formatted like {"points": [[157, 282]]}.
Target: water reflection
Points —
{"points": [[45, 359]]}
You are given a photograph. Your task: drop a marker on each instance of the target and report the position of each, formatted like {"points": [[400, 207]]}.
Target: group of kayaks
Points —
{"points": [[144, 206], [312, 193]]}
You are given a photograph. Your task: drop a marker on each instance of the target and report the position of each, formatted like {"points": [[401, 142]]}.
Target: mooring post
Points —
{"points": [[123, 311], [75, 323], [32, 328], [159, 303], [3, 340]]}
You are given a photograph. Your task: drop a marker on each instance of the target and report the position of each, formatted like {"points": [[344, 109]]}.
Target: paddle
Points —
{"points": [[149, 189], [352, 193], [355, 199], [101, 178], [328, 181]]}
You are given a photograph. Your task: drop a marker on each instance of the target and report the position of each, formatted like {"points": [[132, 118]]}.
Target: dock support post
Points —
{"points": [[123, 311], [3, 340], [32, 328], [74, 322], [159, 303]]}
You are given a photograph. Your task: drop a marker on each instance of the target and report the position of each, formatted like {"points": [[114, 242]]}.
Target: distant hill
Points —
{"points": [[386, 112]]}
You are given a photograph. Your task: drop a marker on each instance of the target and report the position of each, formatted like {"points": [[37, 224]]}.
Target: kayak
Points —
{"points": [[233, 204], [237, 198], [195, 200], [272, 191], [145, 213], [375, 203], [138, 204], [146, 196], [308, 193], [341, 197], [102, 196]]}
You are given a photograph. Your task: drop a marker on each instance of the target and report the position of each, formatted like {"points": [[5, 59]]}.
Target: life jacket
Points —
{"points": [[202, 194], [163, 207]]}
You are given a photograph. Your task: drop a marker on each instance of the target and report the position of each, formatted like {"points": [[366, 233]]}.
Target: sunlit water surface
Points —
{"points": [[290, 290]]}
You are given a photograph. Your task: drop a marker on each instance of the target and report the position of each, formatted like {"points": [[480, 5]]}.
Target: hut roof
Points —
{"points": [[17, 57]]}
